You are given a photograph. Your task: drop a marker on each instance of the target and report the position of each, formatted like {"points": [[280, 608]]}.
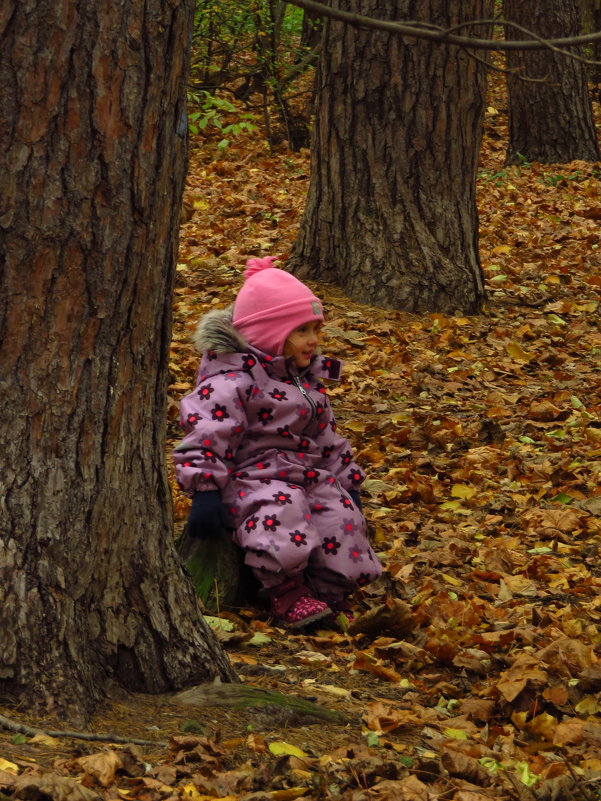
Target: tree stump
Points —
{"points": [[216, 566]]}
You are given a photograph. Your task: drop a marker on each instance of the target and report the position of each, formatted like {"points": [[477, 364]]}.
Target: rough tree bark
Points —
{"points": [[550, 120], [391, 213], [92, 164]]}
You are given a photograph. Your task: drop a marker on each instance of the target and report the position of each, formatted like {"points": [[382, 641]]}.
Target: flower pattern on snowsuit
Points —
{"points": [[274, 453]]}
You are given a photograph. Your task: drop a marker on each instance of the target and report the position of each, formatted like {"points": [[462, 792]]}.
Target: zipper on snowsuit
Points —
{"points": [[304, 392]]}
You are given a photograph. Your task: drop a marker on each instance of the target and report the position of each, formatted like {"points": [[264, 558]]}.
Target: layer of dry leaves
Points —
{"points": [[473, 669]]}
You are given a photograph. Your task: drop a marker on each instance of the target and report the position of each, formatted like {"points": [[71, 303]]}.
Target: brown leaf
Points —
{"points": [[102, 766], [465, 767], [408, 789], [365, 661], [394, 617], [385, 718], [58, 788], [477, 708], [525, 670], [544, 410], [567, 657]]}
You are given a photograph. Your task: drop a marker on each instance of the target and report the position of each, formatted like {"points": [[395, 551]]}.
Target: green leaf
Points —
{"points": [[491, 764], [18, 739], [219, 623], [525, 775], [562, 498], [259, 639]]}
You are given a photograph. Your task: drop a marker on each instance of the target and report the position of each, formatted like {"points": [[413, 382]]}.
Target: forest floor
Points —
{"points": [[473, 670]]}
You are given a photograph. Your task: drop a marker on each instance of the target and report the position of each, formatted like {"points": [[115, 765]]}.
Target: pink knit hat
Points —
{"points": [[271, 304]]}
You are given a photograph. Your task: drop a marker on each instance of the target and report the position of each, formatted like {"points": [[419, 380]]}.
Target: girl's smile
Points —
{"points": [[302, 343]]}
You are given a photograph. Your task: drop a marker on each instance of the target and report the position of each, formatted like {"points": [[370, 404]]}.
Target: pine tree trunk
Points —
{"points": [[391, 213], [551, 119], [92, 164]]}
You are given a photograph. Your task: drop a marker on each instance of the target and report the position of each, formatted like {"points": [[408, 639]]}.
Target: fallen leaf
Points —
{"points": [[280, 748]]}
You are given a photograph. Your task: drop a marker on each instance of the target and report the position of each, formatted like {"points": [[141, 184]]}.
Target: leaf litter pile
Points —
{"points": [[473, 667]]}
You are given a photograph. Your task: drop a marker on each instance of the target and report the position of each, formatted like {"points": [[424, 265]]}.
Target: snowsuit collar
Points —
{"points": [[224, 348]]}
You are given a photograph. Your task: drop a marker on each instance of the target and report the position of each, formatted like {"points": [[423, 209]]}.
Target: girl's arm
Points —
{"points": [[213, 418], [337, 453]]}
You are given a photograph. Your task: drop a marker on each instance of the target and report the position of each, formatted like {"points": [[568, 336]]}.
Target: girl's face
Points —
{"points": [[302, 343]]}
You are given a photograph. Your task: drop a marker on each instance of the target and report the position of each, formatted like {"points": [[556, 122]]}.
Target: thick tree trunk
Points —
{"points": [[551, 119], [390, 212], [92, 163]]}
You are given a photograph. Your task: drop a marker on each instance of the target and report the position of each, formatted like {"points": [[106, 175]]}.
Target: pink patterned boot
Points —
{"points": [[294, 605]]}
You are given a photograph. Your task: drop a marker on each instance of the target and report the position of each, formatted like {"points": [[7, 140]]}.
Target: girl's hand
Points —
{"points": [[356, 498], [208, 516]]}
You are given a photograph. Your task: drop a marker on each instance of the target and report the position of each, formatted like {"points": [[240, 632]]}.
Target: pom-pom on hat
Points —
{"points": [[271, 304]]}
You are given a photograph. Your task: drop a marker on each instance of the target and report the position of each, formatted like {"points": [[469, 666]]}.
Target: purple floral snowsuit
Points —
{"points": [[265, 435]]}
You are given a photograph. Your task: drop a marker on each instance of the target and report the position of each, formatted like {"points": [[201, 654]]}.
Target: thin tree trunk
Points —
{"points": [[550, 120], [390, 213], [92, 163]]}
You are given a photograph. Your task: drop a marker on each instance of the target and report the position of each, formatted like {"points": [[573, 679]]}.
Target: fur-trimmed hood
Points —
{"points": [[224, 349], [215, 331]]}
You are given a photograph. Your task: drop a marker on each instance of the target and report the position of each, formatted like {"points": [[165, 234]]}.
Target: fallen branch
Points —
{"points": [[21, 728]]}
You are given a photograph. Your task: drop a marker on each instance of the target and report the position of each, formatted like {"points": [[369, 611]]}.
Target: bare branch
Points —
{"points": [[545, 43], [433, 33]]}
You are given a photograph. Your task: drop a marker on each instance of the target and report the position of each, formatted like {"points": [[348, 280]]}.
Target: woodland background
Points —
{"points": [[473, 670]]}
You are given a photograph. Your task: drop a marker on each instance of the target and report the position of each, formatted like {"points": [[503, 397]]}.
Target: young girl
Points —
{"points": [[261, 453]]}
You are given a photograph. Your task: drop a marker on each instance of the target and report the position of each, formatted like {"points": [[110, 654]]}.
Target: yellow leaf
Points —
{"points": [[289, 794], [463, 491], [451, 580], [280, 748], [450, 505], [190, 791], [519, 718], [356, 425], [340, 692], [501, 249], [9, 767], [456, 734], [517, 353], [44, 739], [587, 706]]}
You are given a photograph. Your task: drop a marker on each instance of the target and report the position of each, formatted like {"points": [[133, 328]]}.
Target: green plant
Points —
{"points": [[522, 160], [210, 113], [255, 49], [495, 176]]}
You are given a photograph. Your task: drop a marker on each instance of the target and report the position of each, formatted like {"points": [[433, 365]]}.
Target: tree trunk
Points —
{"points": [[391, 213], [550, 120], [92, 164]]}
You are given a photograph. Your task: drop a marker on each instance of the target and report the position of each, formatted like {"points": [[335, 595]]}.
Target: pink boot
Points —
{"points": [[294, 605]]}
